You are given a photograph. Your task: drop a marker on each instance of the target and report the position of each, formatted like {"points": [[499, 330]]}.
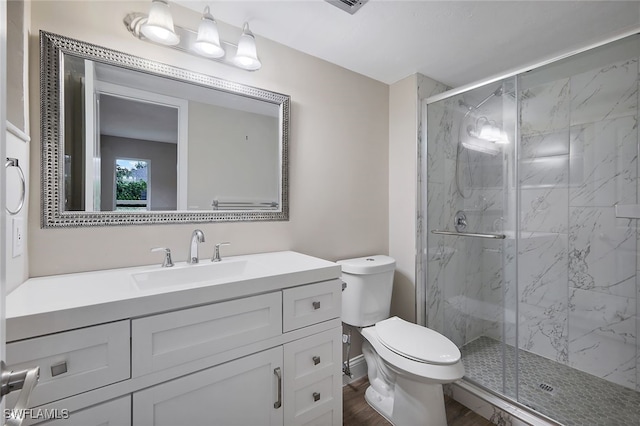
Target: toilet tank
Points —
{"points": [[367, 297]]}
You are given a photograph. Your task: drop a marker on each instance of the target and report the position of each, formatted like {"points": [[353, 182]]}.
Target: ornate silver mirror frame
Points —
{"points": [[52, 48]]}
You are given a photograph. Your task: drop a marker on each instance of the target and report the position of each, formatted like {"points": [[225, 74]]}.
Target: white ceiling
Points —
{"points": [[454, 42]]}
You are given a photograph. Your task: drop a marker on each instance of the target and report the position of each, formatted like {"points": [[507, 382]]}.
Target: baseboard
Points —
{"points": [[358, 370]]}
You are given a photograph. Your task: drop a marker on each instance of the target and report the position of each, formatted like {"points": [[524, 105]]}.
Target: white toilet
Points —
{"points": [[407, 363]]}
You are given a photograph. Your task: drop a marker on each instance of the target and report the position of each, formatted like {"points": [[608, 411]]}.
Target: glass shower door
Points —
{"points": [[470, 242]]}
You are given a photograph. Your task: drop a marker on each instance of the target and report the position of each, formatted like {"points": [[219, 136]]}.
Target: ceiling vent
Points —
{"points": [[351, 6]]}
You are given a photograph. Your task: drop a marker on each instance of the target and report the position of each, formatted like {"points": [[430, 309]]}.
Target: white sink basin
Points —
{"points": [[204, 273]]}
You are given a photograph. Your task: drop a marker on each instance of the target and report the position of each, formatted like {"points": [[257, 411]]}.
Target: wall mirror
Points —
{"points": [[126, 140]]}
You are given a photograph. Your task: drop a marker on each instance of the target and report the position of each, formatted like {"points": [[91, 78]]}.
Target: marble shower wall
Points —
{"points": [[577, 262]]}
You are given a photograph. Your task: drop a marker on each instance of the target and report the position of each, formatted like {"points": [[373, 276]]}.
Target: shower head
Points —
{"points": [[497, 92]]}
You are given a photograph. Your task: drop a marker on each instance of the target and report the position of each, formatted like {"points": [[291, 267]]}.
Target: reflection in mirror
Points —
{"points": [[207, 146], [139, 139]]}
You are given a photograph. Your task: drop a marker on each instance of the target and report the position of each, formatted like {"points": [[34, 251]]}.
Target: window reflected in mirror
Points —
{"points": [[133, 185]]}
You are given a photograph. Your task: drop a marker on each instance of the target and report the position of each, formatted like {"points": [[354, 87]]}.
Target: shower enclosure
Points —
{"points": [[528, 234]]}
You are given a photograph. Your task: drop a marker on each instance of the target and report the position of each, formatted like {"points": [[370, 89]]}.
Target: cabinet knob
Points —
{"points": [[316, 360], [316, 305], [316, 396]]}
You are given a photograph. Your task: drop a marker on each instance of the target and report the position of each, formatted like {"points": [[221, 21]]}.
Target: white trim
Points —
{"points": [[91, 136], [358, 370], [182, 106], [513, 72], [14, 130]]}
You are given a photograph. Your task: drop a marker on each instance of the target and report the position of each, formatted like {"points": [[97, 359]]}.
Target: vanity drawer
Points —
{"points": [[313, 357], [72, 362], [311, 304], [116, 412], [168, 340], [310, 404]]}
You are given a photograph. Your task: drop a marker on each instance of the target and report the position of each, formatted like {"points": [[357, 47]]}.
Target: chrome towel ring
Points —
{"points": [[13, 162]]}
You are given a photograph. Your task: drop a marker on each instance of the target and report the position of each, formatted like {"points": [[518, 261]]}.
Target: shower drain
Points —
{"points": [[547, 388]]}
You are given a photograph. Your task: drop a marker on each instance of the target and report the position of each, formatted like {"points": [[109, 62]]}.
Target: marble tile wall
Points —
{"points": [[543, 246], [577, 262], [603, 248]]}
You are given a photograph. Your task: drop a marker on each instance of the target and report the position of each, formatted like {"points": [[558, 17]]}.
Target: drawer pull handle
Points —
{"points": [[316, 396], [316, 360], [278, 374], [316, 305], [59, 368]]}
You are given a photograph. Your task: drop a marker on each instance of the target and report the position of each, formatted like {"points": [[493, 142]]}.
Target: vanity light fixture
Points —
{"points": [[157, 27]]}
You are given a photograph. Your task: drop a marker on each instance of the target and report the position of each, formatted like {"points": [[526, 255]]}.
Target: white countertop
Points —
{"points": [[51, 304]]}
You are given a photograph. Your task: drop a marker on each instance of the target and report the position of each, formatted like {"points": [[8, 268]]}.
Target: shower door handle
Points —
{"points": [[469, 234]]}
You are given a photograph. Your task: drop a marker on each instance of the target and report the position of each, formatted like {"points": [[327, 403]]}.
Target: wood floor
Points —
{"points": [[356, 411]]}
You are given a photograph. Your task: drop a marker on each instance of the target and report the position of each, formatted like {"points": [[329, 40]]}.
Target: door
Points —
{"points": [[246, 391]]}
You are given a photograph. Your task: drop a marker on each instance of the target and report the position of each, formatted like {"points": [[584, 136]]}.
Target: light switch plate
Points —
{"points": [[18, 236]]}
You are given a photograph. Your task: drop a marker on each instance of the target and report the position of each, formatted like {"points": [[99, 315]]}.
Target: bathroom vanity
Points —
{"points": [[249, 340]]}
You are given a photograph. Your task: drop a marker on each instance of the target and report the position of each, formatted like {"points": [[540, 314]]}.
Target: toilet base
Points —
{"points": [[411, 403], [383, 405]]}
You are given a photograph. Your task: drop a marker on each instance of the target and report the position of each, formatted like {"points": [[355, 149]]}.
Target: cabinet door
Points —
{"points": [[241, 392]]}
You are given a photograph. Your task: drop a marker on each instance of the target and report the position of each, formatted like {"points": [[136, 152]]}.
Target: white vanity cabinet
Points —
{"points": [[296, 383], [269, 356]]}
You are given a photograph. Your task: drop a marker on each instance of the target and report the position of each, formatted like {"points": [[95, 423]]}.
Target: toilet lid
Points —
{"points": [[416, 342]]}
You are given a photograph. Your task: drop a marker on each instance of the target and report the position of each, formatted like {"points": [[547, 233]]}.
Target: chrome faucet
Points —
{"points": [[216, 254], [196, 237]]}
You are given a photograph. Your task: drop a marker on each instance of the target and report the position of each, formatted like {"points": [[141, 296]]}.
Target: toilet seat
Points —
{"points": [[417, 343], [434, 373]]}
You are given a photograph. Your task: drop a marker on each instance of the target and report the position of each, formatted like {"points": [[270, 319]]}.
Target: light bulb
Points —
{"points": [[208, 41], [159, 25], [246, 56]]}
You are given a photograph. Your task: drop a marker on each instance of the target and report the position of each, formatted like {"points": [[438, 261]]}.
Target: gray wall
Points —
{"points": [[233, 156]]}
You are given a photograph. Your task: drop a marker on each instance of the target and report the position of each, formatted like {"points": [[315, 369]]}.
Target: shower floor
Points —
{"points": [[565, 394]]}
